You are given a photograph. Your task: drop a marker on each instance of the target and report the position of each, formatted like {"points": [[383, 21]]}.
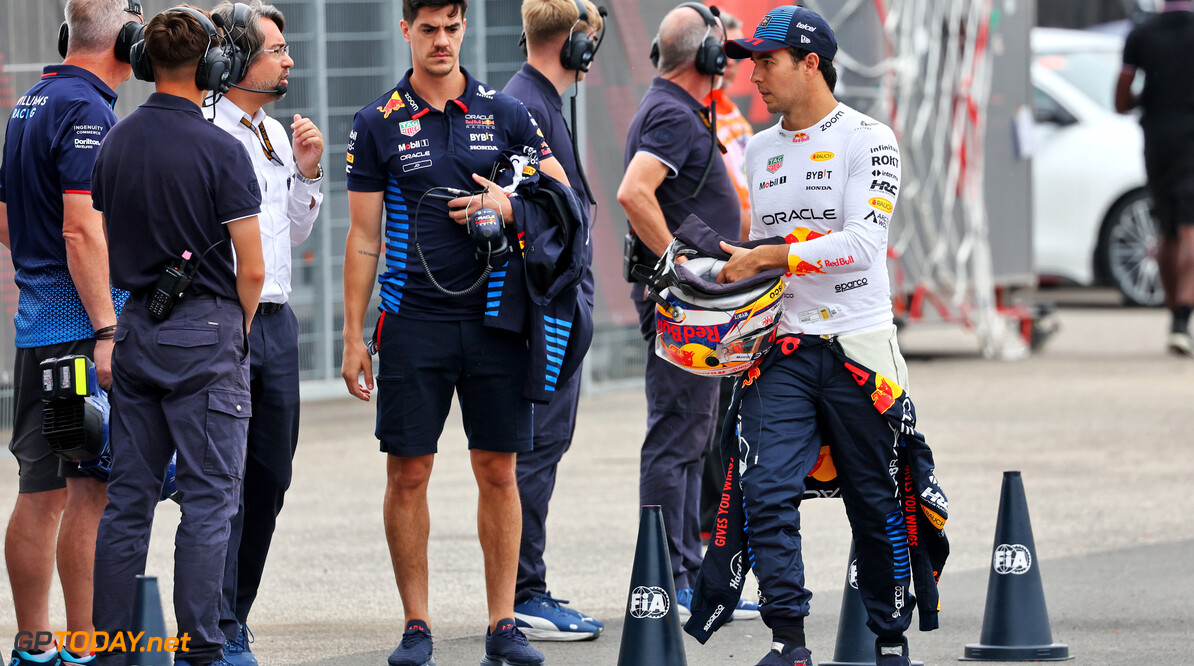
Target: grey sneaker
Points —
{"points": [[1179, 344]]}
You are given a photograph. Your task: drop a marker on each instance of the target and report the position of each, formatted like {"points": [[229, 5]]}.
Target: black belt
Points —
{"points": [[268, 308]]}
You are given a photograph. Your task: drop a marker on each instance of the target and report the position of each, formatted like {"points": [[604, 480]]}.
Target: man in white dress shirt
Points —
{"points": [[289, 174]]}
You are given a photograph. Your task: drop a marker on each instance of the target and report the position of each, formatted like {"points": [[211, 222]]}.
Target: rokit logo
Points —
{"points": [[847, 286], [885, 160]]}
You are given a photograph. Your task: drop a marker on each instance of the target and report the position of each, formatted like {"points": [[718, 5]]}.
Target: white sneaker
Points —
{"points": [[1179, 344]]}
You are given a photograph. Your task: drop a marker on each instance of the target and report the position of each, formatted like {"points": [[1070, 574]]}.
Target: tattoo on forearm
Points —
{"points": [[368, 254]]}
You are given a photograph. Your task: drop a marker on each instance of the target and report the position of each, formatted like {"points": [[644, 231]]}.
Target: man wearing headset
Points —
{"points": [[178, 195], [66, 305], [825, 178], [290, 175], [560, 45], [673, 170], [438, 128]]}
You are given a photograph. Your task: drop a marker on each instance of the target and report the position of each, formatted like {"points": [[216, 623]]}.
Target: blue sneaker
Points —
{"points": [[545, 618], [415, 648], [237, 652], [780, 655], [745, 610], [509, 647], [28, 658], [684, 603], [69, 657]]}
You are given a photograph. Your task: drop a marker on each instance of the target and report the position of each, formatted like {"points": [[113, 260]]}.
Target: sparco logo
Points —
{"points": [[1012, 559], [649, 602], [801, 214], [847, 286], [716, 614]]}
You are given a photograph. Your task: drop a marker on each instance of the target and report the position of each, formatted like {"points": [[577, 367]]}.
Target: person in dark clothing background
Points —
{"points": [[1162, 48], [560, 46]]}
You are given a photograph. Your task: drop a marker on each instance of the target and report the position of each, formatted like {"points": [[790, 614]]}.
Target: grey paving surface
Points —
{"points": [[1098, 423]]}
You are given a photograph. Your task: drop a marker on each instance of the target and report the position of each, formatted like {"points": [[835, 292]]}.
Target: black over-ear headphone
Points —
{"points": [[711, 56], [214, 65], [239, 58], [130, 33], [579, 49]]}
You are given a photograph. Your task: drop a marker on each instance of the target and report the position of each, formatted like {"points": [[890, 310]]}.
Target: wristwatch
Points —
{"points": [[310, 181]]}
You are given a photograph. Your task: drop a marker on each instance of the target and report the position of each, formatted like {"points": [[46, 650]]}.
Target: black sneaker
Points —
{"points": [[892, 652], [781, 655], [506, 646], [415, 648]]}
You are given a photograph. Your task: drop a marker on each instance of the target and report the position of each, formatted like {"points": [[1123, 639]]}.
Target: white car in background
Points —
{"points": [[1091, 221]]}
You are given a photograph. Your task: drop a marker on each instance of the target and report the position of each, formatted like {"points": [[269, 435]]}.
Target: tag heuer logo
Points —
{"points": [[775, 163], [409, 127]]}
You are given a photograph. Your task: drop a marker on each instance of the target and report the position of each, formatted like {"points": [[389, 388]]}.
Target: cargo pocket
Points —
{"points": [[228, 415], [188, 337]]}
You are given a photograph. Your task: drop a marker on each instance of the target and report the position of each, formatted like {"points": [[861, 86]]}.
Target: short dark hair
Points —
{"points": [[825, 66], [410, 8], [175, 40]]}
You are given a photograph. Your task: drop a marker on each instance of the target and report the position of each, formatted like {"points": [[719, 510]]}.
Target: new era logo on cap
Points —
{"points": [[784, 26]]}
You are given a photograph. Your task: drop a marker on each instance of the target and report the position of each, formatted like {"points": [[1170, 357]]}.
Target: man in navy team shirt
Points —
{"points": [[180, 381], [551, 68], [439, 127], [66, 306], [673, 170]]}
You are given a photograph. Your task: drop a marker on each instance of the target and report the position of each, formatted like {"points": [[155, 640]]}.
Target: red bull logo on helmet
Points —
{"points": [[687, 334]]}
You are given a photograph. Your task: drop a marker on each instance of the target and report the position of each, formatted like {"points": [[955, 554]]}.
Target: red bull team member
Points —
{"points": [[439, 127], [826, 178], [673, 170]]}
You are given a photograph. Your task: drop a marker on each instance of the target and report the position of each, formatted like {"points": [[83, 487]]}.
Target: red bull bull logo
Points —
{"points": [[394, 103], [802, 234], [885, 394], [798, 266]]}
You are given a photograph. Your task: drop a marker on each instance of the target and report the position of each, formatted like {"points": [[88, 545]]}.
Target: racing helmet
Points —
{"points": [[712, 329]]}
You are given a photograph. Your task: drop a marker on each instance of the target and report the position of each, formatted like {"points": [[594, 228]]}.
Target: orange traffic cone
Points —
{"points": [[651, 635], [1016, 622]]}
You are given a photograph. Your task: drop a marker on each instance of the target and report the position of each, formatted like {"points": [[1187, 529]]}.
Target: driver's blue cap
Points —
{"points": [[788, 25]]}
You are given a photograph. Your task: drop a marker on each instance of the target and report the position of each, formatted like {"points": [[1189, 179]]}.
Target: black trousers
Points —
{"points": [[273, 436]]}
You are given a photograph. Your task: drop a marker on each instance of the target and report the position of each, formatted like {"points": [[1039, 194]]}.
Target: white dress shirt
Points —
{"points": [[287, 213]]}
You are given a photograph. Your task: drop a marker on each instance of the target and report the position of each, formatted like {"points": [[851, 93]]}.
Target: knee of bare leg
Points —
{"points": [[495, 469], [47, 503], [408, 474]]}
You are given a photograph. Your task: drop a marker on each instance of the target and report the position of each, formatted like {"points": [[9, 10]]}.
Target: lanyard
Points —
{"points": [[261, 135]]}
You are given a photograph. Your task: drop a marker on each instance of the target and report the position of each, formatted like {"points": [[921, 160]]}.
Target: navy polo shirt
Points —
{"points": [[669, 126], [50, 145], [167, 181], [543, 101], [401, 146]]}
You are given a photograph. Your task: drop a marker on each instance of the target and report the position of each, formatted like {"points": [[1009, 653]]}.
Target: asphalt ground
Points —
{"points": [[1098, 422]]}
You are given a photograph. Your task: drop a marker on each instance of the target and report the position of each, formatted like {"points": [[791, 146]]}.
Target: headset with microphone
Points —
{"points": [[711, 55], [240, 56], [579, 49], [130, 33]]}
